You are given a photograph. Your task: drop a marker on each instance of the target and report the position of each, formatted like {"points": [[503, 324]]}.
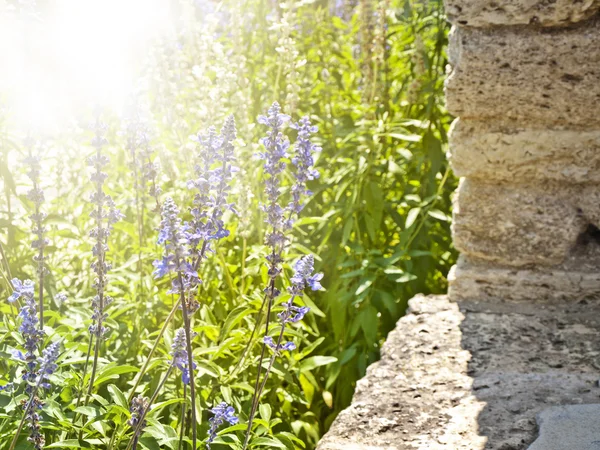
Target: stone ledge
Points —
{"points": [[484, 13], [549, 77], [453, 378], [514, 154], [575, 280]]}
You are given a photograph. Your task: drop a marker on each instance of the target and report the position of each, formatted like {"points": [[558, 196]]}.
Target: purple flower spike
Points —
{"points": [[287, 346], [222, 413], [22, 289], [180, 355]]}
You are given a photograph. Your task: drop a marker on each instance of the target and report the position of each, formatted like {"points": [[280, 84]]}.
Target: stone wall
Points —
{"points": [[517, 336], [524, 83]]}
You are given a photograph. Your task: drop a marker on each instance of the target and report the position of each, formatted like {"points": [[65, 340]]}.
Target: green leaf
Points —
{"points": [[411, 217], [69, 443], [232, 319], [316, 361], [437, 214], [405, 278], [406, 137], [267, 442], [118, 396], [265, 411], [363, 286], [113, 373]]}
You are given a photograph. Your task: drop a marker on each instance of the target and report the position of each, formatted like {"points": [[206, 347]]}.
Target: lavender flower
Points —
{"points": [[304, 162], [106, 215], [139, 135], [8, 387], [222, 413], [288, 346], [32, 416], [139, 406], [276, 145], [21, 289], [303, 276], [36, 195], [180, 355], [212, 184], [222, 177], [32, 335], [47, 366], [175, 237]]}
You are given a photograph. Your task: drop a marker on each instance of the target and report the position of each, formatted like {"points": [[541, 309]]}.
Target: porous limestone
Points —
{"points": [[516, 226], [471, 376], [575, 280], [526, 76], [484, 13], [569, 427], [488, 151]]}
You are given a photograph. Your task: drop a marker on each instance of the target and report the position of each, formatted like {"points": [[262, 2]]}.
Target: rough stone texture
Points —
{"points": [[517, 225], [568, 428], [471, 376], [577, 279], [482, 13], [549, 77], [489, 151], [522, 333]]}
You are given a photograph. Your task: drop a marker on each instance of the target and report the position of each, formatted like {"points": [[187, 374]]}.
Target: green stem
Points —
{"points": [[260, 360], [182, 420], [27, 408], [142, 371], [250, 341], [138, 427], [188, 342], [258, 394]]}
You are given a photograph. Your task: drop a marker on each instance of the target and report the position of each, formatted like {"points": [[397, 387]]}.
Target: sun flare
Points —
{"points": [[78, 53]]}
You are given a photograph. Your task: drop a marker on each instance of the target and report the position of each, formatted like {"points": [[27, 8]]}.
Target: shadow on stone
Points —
{"points": [[524, 359], [472, 376]]}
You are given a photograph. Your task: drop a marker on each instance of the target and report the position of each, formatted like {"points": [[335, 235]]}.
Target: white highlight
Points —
{"points": [[73, 54]]}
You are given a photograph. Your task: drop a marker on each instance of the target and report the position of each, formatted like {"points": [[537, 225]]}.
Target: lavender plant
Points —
{"points": [[105, 215], [221, 413], [47, 366], [37, 370], [264, 50], [36, 195], [185, 246], [276, 146], [31, 334]]}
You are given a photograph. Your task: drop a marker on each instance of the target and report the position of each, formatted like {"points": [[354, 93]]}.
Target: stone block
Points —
{"points": [[488, 151], [526, 76], [569, 427], [484, 13], [516, 225], [576, 280]]}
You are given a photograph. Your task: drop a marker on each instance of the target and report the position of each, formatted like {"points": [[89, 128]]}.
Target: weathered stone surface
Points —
{"points": [[549, 77], [489, 151], [516, 225], [482, 13], [471, 376], [575, 280], [569, 427]]}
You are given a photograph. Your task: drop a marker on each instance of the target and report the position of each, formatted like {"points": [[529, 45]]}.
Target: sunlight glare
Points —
{"points": [[75, 54]]}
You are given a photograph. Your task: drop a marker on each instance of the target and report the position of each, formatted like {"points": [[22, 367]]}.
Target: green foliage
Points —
{"points": [[378, 221]]}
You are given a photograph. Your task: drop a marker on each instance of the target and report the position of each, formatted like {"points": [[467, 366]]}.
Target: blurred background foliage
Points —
{"points": [[370, 74]]}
